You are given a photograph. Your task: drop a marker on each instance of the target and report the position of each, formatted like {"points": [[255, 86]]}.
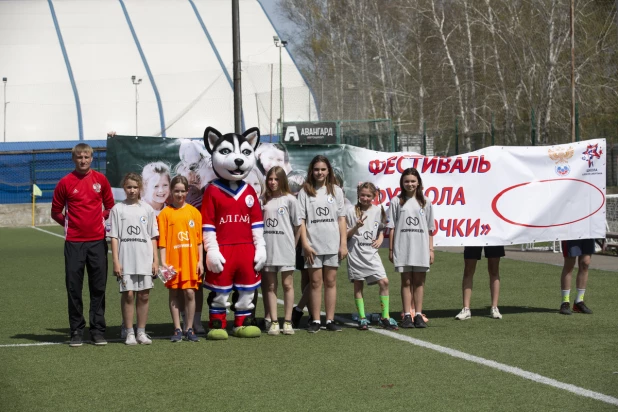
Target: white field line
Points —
{"points": [[535, 377]]}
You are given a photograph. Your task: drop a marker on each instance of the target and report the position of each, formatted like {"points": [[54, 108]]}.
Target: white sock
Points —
{"points": [[141, 330], [580, 295]]}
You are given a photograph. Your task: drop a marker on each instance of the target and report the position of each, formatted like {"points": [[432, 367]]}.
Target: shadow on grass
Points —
{"points": [[504, 310]]}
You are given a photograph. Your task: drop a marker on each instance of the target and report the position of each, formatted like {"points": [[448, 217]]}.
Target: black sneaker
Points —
{"points": [[76, 340], [419, 322], [580, 307], [98, 340], [191, 336], [565, 308], [389, 324], [333, 327], [407, 323], [314, 327], [296, 317]]}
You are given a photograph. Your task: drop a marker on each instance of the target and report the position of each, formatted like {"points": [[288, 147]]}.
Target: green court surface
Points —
{"points": [[532, 359]]}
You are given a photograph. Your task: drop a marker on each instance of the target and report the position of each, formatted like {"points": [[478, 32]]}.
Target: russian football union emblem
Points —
{"points": [[97, 187], [561, 157], [249, 201]]}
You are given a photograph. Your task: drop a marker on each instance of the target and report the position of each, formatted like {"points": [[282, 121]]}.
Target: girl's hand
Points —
{"points": [[431, 257], [390, 255], [378, 242], [118, 270], [200, 269], [309, 254], [343, 252], [361, 221], [155, 269]]}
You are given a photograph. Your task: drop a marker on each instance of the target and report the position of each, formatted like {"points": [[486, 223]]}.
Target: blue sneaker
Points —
{"points": [[191, 336], [177, 336]]}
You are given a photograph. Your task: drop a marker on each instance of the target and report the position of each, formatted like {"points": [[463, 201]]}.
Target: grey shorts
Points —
{"points": [[370, 280], [323, 260], [277, 269], [403, 269], [135, 283]]}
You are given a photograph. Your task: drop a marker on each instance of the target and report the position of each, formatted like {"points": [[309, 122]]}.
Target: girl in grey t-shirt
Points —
{"points": [[411, 243], [280, 212], [323, 236], [365, 235]]}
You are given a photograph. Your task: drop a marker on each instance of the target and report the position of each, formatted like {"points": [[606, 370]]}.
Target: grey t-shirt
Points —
{"points": [[134, 226], [321, 213], [280, 217], [363, 259], [412, 225]]}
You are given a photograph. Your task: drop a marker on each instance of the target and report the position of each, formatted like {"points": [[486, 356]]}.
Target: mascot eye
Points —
{"points": [[225, 151], [246, 152]]}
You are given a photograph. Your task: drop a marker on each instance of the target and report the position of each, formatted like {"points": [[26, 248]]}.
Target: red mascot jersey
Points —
{"points": [[232, 215]]}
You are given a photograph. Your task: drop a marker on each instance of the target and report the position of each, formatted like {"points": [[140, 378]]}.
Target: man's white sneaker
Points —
{"points": [[143, 339], [274, 329], [495, 313], [464, 314], [130, 338]]}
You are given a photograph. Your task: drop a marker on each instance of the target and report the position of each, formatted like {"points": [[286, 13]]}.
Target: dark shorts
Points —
{"points": [[577, 247], [474, 252], [300, 260]]}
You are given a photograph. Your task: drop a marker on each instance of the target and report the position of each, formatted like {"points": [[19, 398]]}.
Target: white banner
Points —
{"points": [[499, 195]]}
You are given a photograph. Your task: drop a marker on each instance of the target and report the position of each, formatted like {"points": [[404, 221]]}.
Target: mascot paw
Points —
{"points": [[215, 261], [260, 259], [247, 332], [217, 334]]}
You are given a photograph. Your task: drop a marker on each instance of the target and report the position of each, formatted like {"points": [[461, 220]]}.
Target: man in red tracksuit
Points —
{"points": [[81, 194]]}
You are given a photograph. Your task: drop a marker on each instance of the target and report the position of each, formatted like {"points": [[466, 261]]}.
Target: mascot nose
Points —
{"points": [[239, 162]]}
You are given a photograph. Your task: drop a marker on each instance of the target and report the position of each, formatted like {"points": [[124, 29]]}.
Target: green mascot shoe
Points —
{"points": [[217, 332], [247, 332]]}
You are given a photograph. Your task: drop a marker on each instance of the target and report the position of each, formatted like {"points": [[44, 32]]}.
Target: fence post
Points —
{"points": [[456, 136], [424, 138], [577, 122], [533, 132], [493, 131]]}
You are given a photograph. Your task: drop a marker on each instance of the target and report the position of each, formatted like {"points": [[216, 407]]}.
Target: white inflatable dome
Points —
{"points": [[68, 66]]}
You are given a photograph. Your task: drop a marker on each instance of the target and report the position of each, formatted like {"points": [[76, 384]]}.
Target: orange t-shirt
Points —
{"points": [[180, 233]]}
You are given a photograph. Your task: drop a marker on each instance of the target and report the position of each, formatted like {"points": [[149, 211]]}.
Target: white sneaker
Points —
{"points": [[274, 329], [495, 313], [143, 339], [287, 328], [464, 314], [130, 339]]}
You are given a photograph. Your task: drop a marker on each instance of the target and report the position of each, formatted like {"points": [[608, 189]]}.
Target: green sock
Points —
{"points": [[384, 304], [566, 296], [360, 305]]}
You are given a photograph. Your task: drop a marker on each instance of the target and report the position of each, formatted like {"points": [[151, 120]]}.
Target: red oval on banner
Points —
{"points": [[494, 203]]}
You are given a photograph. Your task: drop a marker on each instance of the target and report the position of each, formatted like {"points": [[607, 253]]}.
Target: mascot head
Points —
{"points": [[232, 154]]}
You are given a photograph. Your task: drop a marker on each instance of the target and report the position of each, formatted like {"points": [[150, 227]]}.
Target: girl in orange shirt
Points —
{"points": [[180, 246]]}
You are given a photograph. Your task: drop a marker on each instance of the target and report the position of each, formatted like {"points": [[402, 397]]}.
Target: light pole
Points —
{"points": [[4, 80], [280, 44], [136, 82]]}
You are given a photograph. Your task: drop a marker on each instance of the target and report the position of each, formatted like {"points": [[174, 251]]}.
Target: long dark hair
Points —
{"points": [[284, 188], [331, 182], [418, 194]]}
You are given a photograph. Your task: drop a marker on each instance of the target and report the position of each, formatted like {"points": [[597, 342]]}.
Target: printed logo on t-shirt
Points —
{"points": [[422, 211], [97, 187], [281, 210], [330, 199], [412, 221], [183, 236], [191, 223], [249, 201], [143, 219], [376, 225]]}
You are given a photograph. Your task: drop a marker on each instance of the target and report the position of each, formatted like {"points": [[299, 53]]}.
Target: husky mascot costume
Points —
{"points": [[233, 232]]}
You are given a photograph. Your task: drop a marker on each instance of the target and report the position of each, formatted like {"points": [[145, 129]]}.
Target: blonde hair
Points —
{"points": [[374, 190], [81, 147], [284, 187]]}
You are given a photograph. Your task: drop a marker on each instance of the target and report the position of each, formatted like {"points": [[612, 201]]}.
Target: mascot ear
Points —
{"points": [[211, 136], [253, 137]]}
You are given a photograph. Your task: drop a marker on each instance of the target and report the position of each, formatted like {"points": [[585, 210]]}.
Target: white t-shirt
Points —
{"points": [[363, 259], [134, 226], [321, 214], [280, 217], [412, 226]]}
